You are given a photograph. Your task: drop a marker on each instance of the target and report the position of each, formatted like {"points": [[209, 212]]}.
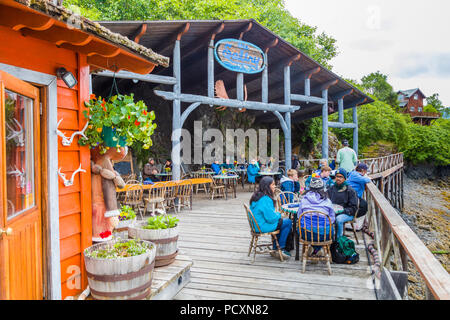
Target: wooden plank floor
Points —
{"points": [[215, 235]]}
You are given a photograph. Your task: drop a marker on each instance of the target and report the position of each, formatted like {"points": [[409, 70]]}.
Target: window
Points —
{"points": [[416, 96], [411, 109], [419, 109]]}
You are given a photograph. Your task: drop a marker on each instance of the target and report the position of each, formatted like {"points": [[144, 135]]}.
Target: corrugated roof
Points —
{"points": [[161, 35]]}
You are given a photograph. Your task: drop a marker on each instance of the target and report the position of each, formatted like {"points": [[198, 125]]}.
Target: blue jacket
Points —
{"points": [[312, 201], [265, 215], [357, 182], [252, 173], [216, 168], [328, 183], [287, 184], [227, 166]]}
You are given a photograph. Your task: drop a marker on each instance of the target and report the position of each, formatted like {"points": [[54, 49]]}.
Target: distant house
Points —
{"points": [[411, 101]]}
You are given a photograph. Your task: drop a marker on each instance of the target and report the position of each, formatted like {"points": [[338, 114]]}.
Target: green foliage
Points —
{"points": [[270, 13], [376, 83], [161, 222], [127, 213], [121, 249], [127, 119], [429, 108], [434, 101], [428, 144]]}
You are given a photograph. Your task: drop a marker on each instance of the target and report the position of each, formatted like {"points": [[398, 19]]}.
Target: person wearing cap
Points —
{"points": [[150, 170], [324, 174], [316, 199], [358, 180], [346, 157], [344, 195]]}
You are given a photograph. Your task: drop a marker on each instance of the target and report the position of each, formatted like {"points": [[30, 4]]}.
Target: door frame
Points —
{"points": [[50, 218]]}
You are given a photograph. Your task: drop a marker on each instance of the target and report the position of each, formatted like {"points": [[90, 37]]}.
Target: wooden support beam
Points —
{"points": [[244, 30], [324, 86], [164, 48], [139, 32]]}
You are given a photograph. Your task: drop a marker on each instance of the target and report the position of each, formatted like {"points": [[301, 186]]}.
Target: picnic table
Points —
{"points": [[150, 186], [228, 180], [164, 175]]}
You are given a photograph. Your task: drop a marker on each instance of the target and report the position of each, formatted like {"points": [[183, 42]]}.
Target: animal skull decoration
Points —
{"points": [[17, 135], [66, 141], [69, 183]]}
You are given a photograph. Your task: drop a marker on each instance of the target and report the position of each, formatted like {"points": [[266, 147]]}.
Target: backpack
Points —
{"points": [[343, 251]]}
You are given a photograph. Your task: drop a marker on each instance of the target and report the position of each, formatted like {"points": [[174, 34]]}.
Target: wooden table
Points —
{"points": [[150, 186], [226, 180], [292, 212], [165, 175], [242, 173]]}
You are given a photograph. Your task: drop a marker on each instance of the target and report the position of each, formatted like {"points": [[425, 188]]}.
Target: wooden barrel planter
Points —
{"points": [[166, 241], [121, 230], [124, 278]]}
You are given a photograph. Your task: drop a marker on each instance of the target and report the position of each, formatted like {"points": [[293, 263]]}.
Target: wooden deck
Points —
{"points": [[215, 235]]}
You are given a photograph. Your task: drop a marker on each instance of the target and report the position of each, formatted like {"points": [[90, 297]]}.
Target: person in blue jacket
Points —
{"points": [[262, 205], [216, 167], [357, 179], [325, 172], [252, 172], [227, 165], [290, 183]]}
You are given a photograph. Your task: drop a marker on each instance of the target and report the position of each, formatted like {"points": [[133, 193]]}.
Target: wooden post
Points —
{"points": [[325, 125]]}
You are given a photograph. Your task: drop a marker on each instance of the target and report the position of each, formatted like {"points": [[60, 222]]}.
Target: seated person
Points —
{"points": [[216, 167], [252, 172], [325, 172], [344, 195], [357, 179], [150, 170], [290, 183], [262, 205], [168, 166], [322, 163], [227, 165], [316, 199]]}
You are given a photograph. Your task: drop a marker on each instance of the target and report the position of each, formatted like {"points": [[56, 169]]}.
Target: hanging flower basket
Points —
{"points": [[118, 122]]}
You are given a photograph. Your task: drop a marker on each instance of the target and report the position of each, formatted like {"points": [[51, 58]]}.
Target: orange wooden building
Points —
{"points": [[44, 223]]}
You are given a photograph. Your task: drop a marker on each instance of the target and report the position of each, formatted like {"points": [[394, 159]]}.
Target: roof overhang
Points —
{"points": [[104, 49]]}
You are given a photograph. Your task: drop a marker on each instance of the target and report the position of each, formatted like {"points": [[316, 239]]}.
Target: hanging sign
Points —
{"points": [[239, 56]]}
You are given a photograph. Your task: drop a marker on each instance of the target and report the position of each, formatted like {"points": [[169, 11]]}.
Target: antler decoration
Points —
{"points": [[20, 174], [69, 183], [17, 135], [66, 141], [221, 92]]}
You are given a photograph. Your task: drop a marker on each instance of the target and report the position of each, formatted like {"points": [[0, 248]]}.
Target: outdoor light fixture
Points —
{"points": [[68, 78]]}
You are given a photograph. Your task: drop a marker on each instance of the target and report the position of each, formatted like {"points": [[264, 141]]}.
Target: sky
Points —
{"points": [[408, 41]]}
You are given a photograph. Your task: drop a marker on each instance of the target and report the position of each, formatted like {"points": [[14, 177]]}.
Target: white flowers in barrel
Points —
{"points": [[120, 269], [161, 230]]}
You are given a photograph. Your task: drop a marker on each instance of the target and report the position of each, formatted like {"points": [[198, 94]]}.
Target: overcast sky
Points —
{"points": [[407, 40]]}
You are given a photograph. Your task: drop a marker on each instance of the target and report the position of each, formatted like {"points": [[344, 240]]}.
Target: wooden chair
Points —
{"points": [[216, 188], [133, 198], [199, 187], [184, 194], [132, 181], [315, 239], [171, 195], [263, 247], [156, 196], [352, 223]]}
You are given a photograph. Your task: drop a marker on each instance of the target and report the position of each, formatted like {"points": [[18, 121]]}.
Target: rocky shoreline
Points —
{"points": [[427, 212]]}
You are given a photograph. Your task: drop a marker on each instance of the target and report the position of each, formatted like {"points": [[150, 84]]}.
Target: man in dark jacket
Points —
{"points": [[342, 194]]}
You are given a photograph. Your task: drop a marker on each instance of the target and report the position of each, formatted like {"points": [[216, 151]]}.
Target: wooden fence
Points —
{"points": [[393, 239]]}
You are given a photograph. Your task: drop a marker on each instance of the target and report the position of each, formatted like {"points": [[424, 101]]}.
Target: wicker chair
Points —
{"points": [[156, 197], [171, 195], [184, 194], [263, 247], [315, 239], [285, 197], [133, 198], [352, 223], [216, 188]]}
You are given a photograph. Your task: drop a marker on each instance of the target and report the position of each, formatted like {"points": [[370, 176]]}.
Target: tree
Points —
{"points": [[270, 13], [434, 101], [376, 84]]}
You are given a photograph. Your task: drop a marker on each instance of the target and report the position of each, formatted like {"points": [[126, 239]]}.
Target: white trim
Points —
{"points": [[53, 250]]}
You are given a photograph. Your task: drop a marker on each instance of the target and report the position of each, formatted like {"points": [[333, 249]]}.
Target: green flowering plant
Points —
{"points": [[120, 249], [130, 121], [161, 222], [126, 213]]}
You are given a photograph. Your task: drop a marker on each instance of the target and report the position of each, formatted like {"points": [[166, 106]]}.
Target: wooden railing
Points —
{"points": [[416, 114], [393, 239]]}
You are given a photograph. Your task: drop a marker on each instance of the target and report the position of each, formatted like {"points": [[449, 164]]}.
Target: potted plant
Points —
{"points": [[117, 122], [161, 230], [127, 217], [124, 266]]}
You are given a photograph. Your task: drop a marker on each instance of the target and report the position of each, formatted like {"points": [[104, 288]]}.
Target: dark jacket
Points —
{"points": [[345, 197]]}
